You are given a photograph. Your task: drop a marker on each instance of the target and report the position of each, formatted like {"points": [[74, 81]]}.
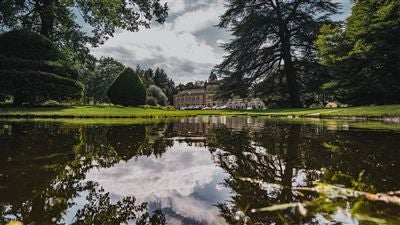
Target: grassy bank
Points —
{"points": [[134, 112]]}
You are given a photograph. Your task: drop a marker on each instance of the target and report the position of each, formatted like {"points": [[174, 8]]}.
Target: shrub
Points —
{"points": [[36, 65], [51, 103], [156, 92], [151, 101], [169, 108], [28, 45], [37, 87], [33, 70], [127, 89]]}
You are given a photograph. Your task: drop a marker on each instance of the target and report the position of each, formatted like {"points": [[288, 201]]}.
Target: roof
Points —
{"points": [[192, 91]]}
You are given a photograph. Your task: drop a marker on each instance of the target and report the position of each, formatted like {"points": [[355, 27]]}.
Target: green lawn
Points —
{"points": [[137, 112]]}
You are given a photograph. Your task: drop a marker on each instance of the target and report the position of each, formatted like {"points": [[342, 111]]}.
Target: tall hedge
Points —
{"points": [[28, 45], [33, 70], [127, 89]]}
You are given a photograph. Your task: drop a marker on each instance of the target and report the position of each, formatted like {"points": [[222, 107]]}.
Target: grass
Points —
{"points": [[139, 112]]}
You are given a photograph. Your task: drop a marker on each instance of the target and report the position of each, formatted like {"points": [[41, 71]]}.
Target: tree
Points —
{"points": [[61, 21], [212, 77], [148, 77], [33, 70], [166, 84], [127, 89], [155, 92], [270, 38], [363, 55], [98, 77]]}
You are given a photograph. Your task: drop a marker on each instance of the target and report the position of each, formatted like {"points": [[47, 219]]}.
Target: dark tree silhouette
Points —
{"points": [[270, 37]]}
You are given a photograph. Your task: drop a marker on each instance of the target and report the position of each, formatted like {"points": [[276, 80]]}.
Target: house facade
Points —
{"points": [[191, 97], [206, 97]]}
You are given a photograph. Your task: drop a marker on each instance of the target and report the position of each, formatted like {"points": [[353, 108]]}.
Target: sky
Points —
{"points": [[186, 46]]}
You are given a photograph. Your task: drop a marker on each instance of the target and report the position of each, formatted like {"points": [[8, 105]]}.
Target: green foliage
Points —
{"points": [[363, 56], [33, 70], [28, 45], [36, 87], [127, 89], [266, 36], [151, 101], [159, 78], [98, 75], [212, 77], [58, 20], [58, 67], [158, 95]]}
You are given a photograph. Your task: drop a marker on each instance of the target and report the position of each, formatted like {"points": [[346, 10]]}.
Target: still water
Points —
{"points": [[199, 170]]}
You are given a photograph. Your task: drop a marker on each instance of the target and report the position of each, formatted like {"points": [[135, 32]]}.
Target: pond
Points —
{"points": [[199, 170]]}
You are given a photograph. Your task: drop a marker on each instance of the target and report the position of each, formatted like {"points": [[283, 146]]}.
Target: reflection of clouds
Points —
{"points": [[183, 180]]}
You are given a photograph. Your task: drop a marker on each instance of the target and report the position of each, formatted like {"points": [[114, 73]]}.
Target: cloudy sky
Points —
{"points": [[186, 46]]}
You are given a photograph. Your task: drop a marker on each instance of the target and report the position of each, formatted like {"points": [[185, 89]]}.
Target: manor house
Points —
{"points": [[206, 97], [197, 97]]}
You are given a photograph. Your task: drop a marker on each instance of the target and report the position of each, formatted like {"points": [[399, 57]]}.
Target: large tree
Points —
{"points": [[272, 38], [74, 23], [363, 55]]}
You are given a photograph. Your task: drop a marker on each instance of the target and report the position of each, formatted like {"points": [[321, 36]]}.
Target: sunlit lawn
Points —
{"points": [[133, 112]]}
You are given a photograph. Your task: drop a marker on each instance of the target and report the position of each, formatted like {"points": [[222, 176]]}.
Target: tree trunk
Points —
{"points": [[289, 69], [291, 79], [47, 17]]}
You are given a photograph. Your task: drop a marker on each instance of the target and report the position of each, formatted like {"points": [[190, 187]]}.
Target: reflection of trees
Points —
{"points": [[127, 141], [277, 164], [365, 160], [157, 139], [288, 156], [100, 210], [42, 168]]}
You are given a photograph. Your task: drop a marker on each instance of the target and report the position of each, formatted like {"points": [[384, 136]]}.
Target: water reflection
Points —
{"points": [[203, 170], [285, 156], [43, 167]]}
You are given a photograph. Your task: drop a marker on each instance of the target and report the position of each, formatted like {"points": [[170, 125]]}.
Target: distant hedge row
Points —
{"points": [[37, 87]]}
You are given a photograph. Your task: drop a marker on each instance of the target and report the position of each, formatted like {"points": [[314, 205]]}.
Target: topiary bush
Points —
{"points": [[28, 45], [33, 70], [156, 93], [38, 87], [151, 101], [127, 89], [58, 68]]}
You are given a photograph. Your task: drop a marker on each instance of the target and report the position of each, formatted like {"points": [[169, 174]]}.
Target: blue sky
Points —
{"points": [[186, 45]]}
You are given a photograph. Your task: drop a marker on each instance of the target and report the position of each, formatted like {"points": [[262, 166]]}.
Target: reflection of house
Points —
{"points": [[206, 97], [199, 126]]}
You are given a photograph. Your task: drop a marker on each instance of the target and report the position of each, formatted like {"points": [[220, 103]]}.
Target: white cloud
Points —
{"points": [[175, 6], [199, 19], [220, 42], [175, 46]]}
